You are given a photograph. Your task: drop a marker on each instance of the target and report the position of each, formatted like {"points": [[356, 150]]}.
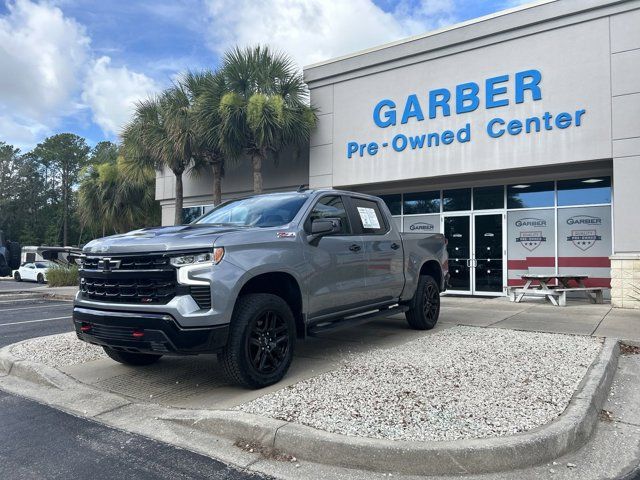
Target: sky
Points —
{"points": [[80, 65]]}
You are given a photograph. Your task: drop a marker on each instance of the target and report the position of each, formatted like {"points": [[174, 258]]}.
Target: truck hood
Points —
{"points": [[160, 239]]}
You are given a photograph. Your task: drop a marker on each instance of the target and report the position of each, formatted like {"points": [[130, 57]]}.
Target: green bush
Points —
{"points": [[62, 276]]}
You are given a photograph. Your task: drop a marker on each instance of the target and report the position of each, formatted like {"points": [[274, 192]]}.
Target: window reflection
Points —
{"points": [[488, 197], [584, 191], [394, 202], [458, 199], [422, 202], [530, 195]]}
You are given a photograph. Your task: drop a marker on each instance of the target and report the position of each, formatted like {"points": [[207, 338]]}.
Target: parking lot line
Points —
{"points": [[34, 321], [43, 306]]}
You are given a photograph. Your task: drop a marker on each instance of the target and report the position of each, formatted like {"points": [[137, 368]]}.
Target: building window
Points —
{"points": [[485, 198], [189, 214], [584, 191], [394, 202], [530, 195], [458, 199], [421, 202]]}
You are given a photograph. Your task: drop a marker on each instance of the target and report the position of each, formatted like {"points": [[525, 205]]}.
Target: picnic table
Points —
{"points": [[556, 294]]}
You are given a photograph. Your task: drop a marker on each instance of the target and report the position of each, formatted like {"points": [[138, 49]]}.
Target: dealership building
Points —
{"points": [[517, 135]]}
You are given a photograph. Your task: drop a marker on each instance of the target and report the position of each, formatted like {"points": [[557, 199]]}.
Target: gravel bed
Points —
{"points": [[463, 382], [58, 350]]}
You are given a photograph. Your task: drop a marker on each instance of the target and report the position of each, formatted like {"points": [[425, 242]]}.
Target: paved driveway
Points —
{"points": [[8, 284]]}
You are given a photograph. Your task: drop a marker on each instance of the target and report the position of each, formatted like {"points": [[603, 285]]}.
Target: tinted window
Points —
{"points": [[488, 197], [530, 195], [259, 211], [422, 202], [458, 199], [584, 191], [42, 265], [330, 207], [369, 216], [394, 203]]}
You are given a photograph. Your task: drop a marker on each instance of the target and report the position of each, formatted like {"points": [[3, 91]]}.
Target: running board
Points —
{"points": [[352, 321]]}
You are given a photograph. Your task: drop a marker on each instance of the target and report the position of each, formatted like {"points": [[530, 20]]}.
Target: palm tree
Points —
{"points": [[162, 134], [205, 90], [112, 199], [264, 107]]}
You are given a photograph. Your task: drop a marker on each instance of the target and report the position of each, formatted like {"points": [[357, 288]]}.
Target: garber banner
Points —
{"points": [[499, 91]]}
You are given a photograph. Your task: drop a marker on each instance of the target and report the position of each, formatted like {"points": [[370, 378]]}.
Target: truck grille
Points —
{"points": [[137, 279], [130, 290]]}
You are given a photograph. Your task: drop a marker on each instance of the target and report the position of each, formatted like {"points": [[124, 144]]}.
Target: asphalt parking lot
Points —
{"points": [[8, 284], [47, 443], [22, 317]]}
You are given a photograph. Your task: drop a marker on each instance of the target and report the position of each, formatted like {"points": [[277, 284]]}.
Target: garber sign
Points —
{"points": [[499, 91]]}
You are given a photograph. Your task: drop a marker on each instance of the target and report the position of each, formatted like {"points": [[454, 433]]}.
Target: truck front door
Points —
{"points": [[336, 276]]}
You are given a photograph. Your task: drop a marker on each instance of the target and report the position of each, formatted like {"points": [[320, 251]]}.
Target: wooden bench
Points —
{"points": [[557, 296]]}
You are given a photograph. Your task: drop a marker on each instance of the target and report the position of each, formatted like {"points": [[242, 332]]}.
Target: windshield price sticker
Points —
{"points": [[368, 217]]}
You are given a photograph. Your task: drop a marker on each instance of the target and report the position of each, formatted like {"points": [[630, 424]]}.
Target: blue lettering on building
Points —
{"points": [[495, 92]]}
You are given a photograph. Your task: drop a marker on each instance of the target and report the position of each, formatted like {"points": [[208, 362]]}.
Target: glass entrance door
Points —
{"points": [[457, 230], [475, 247], [487, 258]]}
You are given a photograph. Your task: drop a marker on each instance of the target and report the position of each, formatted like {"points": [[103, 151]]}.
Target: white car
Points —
{"points": [[34, 271]]}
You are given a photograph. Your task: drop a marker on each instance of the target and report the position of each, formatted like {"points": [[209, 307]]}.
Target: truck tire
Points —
{"points": [[261, 341], [14, 255], [131, 358], [424, 308]]}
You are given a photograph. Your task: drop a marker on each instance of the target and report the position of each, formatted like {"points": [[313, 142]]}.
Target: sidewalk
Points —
{"points": [[579, 317]]}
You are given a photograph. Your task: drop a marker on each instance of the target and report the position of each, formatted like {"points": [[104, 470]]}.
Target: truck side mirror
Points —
{"points": [[325, 226]]}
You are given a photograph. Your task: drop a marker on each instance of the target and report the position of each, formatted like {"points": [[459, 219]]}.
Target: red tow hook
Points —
{"points": [[85, 327], [137, 334]]}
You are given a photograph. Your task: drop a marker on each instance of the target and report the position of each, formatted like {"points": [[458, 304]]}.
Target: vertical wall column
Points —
{"points": [[625, 90], [321, 147]]}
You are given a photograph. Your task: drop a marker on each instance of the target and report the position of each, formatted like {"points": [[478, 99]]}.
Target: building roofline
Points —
{"points": [[430, 33], [500, 26]]}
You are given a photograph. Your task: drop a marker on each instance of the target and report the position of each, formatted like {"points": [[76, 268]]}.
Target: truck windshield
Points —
{"points": [[260, 211]]}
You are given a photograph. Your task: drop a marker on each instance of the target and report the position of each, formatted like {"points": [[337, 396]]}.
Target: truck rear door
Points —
{"points": [[383, 250]]}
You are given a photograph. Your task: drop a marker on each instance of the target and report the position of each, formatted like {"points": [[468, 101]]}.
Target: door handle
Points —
{"points": [[355, 247], [395, 246]]}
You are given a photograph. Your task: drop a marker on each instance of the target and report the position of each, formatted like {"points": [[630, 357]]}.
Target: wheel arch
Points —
{"points": [[433, 269], [285, 286]]}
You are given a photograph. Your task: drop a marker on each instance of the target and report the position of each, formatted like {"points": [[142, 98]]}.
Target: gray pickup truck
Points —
{"points": [[249, 277]]}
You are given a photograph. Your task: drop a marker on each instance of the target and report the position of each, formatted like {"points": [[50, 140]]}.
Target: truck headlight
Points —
{"points": [[199, 258]]}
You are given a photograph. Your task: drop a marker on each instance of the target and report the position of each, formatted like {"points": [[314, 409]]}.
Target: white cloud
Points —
{"points": [[111, 93], [41, 53], [50, 73], [315, 30]]}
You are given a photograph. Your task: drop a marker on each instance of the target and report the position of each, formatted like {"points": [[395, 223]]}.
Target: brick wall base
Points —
{"points": [[625, 280]]}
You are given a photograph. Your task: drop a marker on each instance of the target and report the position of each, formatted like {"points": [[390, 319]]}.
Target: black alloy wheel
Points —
{"points": [[431, 302], [262, 336], [424, 308], [268, 342]]}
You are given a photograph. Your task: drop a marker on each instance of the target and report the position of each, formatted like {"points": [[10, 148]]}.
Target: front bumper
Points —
{"points": [[142, 332]]}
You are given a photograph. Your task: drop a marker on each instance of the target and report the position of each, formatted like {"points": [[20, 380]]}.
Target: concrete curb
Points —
{"points": [[568, 432]]}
